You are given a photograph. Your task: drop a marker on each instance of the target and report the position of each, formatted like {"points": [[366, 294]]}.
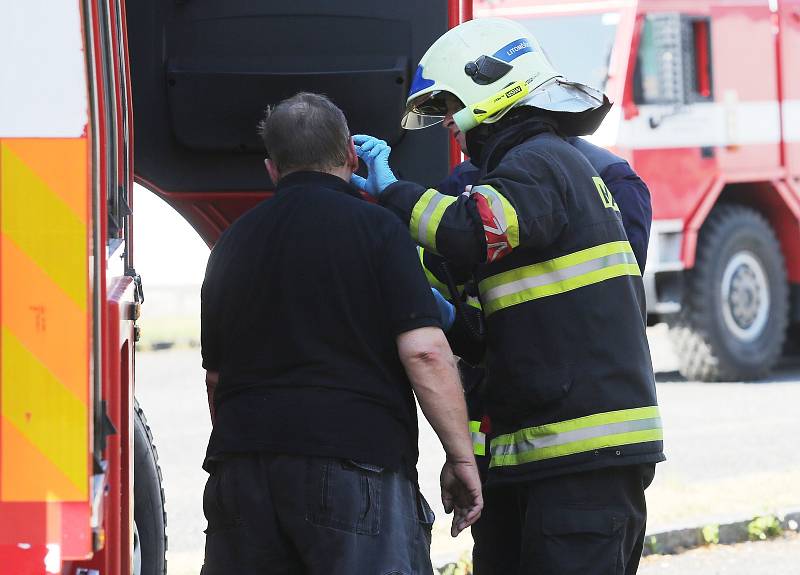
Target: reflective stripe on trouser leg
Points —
{"points": [[598, 431]]}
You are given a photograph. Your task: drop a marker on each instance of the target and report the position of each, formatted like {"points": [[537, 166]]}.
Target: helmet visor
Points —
{"points": [[425, 111]]}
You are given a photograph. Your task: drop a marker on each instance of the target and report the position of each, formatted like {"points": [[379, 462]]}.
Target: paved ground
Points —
{"points": [[732, 452], [776, 557]]}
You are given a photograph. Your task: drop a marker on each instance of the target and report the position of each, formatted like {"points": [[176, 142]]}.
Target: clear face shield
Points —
{"points": [[428, 110]]}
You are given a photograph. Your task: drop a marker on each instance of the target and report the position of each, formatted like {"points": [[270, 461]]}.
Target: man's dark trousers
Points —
{"points": [[294, 515], [590, 523]]}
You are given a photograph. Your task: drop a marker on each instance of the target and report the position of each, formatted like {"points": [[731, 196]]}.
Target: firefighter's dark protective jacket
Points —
{"points": [[570, 383]]}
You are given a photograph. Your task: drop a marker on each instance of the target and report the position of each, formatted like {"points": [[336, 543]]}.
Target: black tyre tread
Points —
{"points": [[698, 358], [138, 411]]}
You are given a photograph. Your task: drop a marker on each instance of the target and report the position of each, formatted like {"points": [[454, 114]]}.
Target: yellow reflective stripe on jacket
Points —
{"points": [[559, 275], [478, 438], [427, 215], [432, 279], [598, 431], [504, 212]]}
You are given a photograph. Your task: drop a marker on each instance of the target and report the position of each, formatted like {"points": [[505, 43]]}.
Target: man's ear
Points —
{"points": [[352, 157], [272, 170]]}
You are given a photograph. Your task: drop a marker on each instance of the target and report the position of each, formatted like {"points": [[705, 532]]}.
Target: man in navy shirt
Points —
{"points": [[317, 325]]}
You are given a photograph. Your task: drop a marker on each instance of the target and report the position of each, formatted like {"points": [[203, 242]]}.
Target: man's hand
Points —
{"points": [[375, 154], [461, 492]]}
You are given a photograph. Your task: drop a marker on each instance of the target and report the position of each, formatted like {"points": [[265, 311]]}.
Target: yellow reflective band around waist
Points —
{"points": [[559, 275], [427, 215], [602, 430], [478, 438]]}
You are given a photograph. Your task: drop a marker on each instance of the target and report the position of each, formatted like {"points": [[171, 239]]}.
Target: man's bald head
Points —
{"points": [[305, 132]]}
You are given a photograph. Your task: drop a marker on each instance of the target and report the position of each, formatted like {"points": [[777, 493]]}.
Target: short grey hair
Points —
{"points": [[305, 132]]}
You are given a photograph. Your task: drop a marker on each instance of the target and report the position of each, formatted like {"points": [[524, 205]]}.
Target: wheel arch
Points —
{"points": [[776, 200], [781, 208]]}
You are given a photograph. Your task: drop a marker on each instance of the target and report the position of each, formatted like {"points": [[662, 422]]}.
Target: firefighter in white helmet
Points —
{"points": [[570, 429]]}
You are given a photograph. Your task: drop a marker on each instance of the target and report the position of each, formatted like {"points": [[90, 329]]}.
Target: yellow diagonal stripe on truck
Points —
{"points": [[45, 413], [45, 227], [44, 318]]}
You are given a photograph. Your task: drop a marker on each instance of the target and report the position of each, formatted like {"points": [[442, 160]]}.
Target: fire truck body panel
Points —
{"points": [[66, 299], [69, 294], [46, 289], [203, 72]]}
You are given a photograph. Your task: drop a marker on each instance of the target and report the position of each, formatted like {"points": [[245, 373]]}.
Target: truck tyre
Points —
{"points": [[732, 323], [150, 518]]}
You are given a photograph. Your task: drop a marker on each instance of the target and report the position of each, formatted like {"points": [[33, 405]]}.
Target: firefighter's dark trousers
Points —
{"points": [[589, 523], [285, 514]]}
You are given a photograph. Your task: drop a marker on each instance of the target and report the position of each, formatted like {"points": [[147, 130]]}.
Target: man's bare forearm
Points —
{"points": [[432, 371]]}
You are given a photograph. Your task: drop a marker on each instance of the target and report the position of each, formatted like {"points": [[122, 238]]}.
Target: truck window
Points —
{"points": [[673, 65]]}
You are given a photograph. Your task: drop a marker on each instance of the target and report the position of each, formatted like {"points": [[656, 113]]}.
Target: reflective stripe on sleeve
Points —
{"points": [[602, 430], [478, 438], [559, 275], [427, 215], [432, 280]]}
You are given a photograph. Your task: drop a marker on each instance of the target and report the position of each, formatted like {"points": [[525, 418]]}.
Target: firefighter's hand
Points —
{"points": [[461, 493], [375, 154], [447, 312]]}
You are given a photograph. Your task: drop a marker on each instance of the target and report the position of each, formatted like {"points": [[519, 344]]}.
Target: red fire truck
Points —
{"points": [[80, 490], [708, 113]]}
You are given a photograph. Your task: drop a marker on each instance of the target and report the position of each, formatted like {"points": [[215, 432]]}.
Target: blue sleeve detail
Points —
{"points": [[633, 199], [419, 82], [514, 49], [463, 175]]}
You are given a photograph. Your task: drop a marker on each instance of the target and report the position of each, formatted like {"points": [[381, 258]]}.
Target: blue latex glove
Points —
{"points": [[375, 154], [447, 311]]}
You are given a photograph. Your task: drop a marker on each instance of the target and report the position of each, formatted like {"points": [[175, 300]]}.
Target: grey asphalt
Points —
{"points": [[732, 451], [775, 557]]}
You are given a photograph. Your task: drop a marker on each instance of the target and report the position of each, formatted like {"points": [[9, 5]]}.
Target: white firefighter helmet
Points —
{"points": [[492, 65]]}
